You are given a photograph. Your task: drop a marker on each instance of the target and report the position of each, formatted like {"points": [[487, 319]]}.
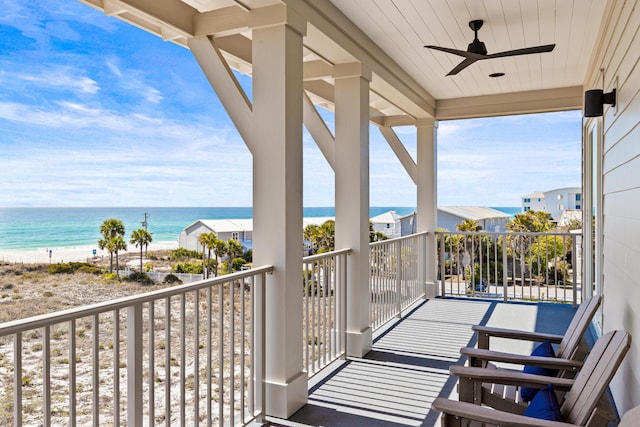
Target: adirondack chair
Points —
{"points": [[569, 348], [579, 407], [568, 360]]}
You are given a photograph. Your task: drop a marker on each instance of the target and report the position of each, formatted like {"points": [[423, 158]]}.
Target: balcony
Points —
{"points": [[408, 366], [196, 353]]}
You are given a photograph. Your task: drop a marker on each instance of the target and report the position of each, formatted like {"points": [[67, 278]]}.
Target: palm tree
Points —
{"points": [[530, 221], [141, 238], [469, 225], [207, 240], [327, 236], [219, 249], [311, 234], [234, 250], [118, 244], [111, 229], [471, 242]]}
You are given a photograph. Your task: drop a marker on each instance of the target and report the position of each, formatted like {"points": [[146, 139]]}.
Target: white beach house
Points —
{"points": [[387, 223], [487, 218], [393, 225], [225, 229], [365, 61], [553, 201]]}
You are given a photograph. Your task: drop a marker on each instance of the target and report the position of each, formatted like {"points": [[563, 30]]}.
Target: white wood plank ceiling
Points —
{"points": [[388, 36], [402, 27]]}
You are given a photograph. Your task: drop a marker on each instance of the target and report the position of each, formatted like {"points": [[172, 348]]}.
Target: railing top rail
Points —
{"points": [[324, 255], [510, 233], [30, 323], [397, 239]]}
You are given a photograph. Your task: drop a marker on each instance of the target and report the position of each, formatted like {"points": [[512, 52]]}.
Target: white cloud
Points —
{"points": [[92, 125], [133, 81], [57, 77], [151, 94], [114, 69]]}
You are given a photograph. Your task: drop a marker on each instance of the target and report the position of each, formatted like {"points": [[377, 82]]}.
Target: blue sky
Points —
{"points": [[95, 112]]}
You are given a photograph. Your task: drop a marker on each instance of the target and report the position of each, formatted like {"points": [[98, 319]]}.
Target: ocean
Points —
{"points": [[39, 228]]}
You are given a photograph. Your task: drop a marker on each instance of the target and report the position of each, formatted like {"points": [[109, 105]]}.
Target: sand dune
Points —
{"points": [[67, 254]]}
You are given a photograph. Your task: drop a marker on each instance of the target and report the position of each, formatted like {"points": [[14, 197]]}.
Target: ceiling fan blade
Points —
{"points": [[461, 66], [463, 53], [524, 51]]}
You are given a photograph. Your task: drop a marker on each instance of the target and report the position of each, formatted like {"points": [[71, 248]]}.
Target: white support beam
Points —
{"points": [[401, 152], [225, 84], [112, 8], [221, 22], [275, 15], [277, 205], [327, 18], [427, 196], [352, 198], [316, 70], [319, 131], [548, 100], [160, 13]]}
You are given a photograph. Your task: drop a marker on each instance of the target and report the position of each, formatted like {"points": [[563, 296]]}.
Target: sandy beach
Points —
{"points": [[75, 253]]}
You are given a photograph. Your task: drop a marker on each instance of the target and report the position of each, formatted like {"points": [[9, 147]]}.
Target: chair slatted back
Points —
{"points": [[578, 326], [595, 376]]}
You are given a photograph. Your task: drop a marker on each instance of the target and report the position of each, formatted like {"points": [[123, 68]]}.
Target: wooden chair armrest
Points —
{"points": [[487, 332], [503, 376], [475, 355], [491, 416]]}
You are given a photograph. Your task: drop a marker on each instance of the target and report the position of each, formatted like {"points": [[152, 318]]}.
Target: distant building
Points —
{"points": [[387, 223], [236, 229], [393, 225], [568, 216], [534, 202], [489, 219], [553, 201]]}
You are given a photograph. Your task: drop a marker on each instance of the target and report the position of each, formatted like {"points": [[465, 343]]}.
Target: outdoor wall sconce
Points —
{"points": [[594, 101]]}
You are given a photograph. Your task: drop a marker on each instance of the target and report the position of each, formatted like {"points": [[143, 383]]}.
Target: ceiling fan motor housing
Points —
{"points": [[476, 46]]}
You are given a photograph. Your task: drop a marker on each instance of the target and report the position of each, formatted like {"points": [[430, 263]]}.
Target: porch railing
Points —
{"points": [[523, 266], [324, 308], [185, 355], [398, 276]]}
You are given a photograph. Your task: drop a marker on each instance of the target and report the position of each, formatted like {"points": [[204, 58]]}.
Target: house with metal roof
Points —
{"points": [[236, 229], [487, 218], [387, 223]]}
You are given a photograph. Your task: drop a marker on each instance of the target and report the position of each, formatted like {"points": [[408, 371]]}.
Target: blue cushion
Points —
{"points": [[544, 350], [544, 405]]}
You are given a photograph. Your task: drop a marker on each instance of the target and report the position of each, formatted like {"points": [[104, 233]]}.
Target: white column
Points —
{"points": [[277, 200], [427, 197], [352, 196]]}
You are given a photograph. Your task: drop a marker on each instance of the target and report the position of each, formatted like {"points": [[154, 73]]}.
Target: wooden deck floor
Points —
{"points": [[408, 366]]}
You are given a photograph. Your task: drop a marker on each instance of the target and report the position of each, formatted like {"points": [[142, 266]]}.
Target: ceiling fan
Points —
{"points": [[477, 51]]}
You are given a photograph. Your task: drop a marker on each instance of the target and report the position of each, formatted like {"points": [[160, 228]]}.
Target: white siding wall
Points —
{"points": [[560, 199], [448, 221], [618, 55], [188, 238], [534, 204]]}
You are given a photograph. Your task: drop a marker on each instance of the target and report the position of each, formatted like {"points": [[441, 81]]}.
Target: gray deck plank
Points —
{"points": [[408, 366]]}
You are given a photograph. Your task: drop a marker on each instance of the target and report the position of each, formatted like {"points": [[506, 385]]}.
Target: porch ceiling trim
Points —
{"points": [[333, 33], [547, 100], [323, 15]]}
